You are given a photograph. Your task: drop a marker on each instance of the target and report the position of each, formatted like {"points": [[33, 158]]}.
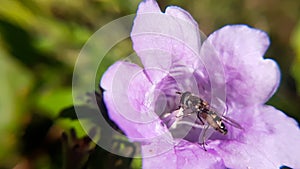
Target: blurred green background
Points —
{"points": [[41, 39]]}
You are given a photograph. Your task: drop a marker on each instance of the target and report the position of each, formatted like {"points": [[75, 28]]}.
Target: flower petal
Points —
{"points": [[280, 138], [125, 83], [250, 79], [165, 40], [191, 155], [149, 6], [159, 153], [270, 142], [184, 155]]}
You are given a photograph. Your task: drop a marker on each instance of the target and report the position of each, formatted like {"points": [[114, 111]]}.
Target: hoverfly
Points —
{"points": [[205, 112]]}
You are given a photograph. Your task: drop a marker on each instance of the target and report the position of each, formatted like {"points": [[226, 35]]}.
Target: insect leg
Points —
{"points": [[199, 117], [203, 137], [205, 129]]}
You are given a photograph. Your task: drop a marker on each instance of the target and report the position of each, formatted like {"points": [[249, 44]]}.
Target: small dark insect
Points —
{"points": [[205, 112]]}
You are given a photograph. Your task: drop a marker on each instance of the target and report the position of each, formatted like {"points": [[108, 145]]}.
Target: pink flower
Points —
{"points": [[228, 66]]}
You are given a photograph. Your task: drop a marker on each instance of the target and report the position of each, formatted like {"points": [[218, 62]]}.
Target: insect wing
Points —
{"points": [[231, 122]]}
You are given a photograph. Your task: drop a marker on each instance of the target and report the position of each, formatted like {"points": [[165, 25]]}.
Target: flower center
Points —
{"points": [[192, 119]]}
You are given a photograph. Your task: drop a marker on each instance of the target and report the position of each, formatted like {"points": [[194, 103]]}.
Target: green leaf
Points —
{"points": [[15, 84], [136, 163], [55, 100], [68, 118], [295, 71]]}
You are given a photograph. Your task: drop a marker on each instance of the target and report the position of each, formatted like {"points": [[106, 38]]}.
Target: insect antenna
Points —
{"points": [[177, 92]]}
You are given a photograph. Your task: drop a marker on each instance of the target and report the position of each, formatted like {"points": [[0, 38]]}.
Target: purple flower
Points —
{"points": [[227, 70]]}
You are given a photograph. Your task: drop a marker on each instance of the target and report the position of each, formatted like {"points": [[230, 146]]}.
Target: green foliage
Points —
{"points": [[296, 63], [54, 101], [15, 83], [136, 163]]}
